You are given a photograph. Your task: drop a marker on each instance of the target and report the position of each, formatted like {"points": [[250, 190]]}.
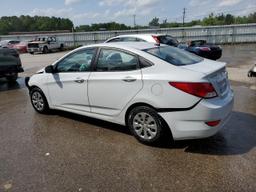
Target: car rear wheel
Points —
{"points": [[45, 50], [39, 101], [146, 125]]}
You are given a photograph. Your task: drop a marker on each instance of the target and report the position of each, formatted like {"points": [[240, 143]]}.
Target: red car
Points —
{"points": [[21, 47]]}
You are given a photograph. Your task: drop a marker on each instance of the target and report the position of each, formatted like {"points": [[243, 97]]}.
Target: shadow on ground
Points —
{"points": [[237, 137], [7, 86]]}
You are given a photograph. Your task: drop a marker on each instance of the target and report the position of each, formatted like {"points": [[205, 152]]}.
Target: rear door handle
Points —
{"points": [[79, 80], [129, 79]]}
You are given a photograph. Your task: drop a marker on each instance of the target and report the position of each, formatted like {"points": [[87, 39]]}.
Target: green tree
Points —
{"points": [[154, 22]]}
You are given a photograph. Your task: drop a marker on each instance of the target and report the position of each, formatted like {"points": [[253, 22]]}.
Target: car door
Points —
{"points": [[51, 43], [115, 80], [68, 85]]}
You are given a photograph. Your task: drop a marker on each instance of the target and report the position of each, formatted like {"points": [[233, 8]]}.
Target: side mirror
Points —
{"points": [[48, 42], [49, 69]]}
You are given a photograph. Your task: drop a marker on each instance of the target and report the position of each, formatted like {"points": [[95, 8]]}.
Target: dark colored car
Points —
{"points": [[10, 64], [252, 72], [204, 49], [199, 47]]}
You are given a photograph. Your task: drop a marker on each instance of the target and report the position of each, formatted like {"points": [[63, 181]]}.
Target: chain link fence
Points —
{"points": [[230, 34]]}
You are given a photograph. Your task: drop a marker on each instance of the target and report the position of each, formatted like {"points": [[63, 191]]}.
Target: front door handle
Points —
{"points": [[129, 79], [79, 80]]}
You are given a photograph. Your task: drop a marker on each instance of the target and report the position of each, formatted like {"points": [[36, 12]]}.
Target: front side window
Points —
{"points": [[79, 61], [115, 60], [174, 55]]}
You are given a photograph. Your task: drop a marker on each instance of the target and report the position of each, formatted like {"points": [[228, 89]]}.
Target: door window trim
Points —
{"points": [[94, 69], [72, 53]]}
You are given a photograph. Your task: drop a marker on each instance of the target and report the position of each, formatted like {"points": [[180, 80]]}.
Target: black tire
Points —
{"points": [[32, 53], [61, 47], [158, 133], [45, 50], [40, 105], [12, 78]]}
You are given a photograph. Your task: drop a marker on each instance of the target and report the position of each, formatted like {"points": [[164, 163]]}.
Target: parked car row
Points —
{"points": [[44, 44], [199, 47]]}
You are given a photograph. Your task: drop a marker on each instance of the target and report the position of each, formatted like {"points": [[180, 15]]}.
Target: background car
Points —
{"points": [[44, 44], [199, 47], [153, 89], [10, 64], [151, 38], [204, 49], [252, 71], [21, 47], [8, 43]]}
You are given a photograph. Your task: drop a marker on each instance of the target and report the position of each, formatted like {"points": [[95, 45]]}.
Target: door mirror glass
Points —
{"points": [[49, 69]]}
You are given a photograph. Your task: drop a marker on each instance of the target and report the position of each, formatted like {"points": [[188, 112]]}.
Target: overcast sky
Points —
{"points": [[95, 11]]}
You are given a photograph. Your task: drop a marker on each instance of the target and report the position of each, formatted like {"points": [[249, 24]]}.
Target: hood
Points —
{"points": [[37, 42]]}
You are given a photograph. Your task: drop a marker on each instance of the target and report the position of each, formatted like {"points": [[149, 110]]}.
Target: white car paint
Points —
{"points": [[106, 96], [144, 37]]}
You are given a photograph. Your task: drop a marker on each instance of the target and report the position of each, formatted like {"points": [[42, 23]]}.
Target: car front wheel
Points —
{"points": [[38, 100], [146, 125]]}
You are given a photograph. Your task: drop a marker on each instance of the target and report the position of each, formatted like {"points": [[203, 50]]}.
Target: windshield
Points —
{"points": [[174, 55]]}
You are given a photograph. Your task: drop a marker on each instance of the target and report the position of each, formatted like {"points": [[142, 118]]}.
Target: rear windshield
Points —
{"points": [[174, 55]]}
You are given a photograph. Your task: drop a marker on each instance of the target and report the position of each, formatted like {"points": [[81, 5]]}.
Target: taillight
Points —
{"points": [[203, 90], [204, 48], [156, 39], [212, 123]]}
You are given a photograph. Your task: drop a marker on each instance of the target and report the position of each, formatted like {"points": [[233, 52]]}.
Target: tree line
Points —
{"points": [[211, 20], [31, 24], [40, 23], [221, 19]]}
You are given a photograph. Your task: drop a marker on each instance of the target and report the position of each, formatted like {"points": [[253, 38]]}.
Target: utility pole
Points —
{"points": [[183, 24], [184, 16], [134, 20]]}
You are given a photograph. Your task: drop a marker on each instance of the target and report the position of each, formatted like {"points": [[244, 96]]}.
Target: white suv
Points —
{"points": [[151, 38], [151, 89]]}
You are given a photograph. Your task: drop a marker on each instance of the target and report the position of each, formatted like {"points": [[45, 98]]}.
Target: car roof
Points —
{"points": [[127, 45], [139, 35]]}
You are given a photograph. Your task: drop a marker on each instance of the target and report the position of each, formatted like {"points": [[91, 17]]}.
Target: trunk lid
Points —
{"points": [[215, 72]]}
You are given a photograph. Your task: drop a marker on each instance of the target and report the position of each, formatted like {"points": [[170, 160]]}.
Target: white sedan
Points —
{"points": [[153, 89]]}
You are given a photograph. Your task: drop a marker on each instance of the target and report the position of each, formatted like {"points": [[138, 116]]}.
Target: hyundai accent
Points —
{"points": [[150, 88]]}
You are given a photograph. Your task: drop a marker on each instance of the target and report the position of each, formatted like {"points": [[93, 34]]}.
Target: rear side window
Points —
{"points": [[115, 40], [115, 60], [174, 55]]}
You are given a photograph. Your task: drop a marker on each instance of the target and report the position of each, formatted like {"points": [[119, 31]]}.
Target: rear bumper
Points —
{"points": [[191, 124], [35, 50], [10, 70], [213, 55]]}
